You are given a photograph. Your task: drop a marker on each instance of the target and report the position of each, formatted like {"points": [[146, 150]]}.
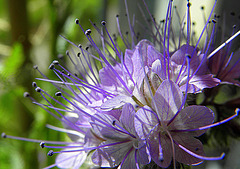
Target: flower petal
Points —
{"points": [[191, 144], [127, 118], [192, 117], [144, 121], [168, 100], [71, 160]]}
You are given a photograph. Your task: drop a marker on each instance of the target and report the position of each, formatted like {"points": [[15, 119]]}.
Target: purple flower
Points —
{"points": [[224, 67], [122, 144], [170, 129], [133, 108]]}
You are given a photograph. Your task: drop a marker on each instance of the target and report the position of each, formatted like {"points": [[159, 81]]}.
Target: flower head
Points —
{"points": [[126, 108]]}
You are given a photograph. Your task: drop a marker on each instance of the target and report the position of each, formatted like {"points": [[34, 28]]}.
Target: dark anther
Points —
{"points": [[193, 23], [58, 94], [202, 7], [188, 56], [75, 74], [87, 47], [234, 26], [68, 75], [35, 67], [161, 159], [214, 21], [136, 106], [67, 52], [117, 15], [232, 13], [103, 23], [174, 6], [38, 89], [60, 56], [188, 4], [50, 153], [62, 71], [88, 32], [42, 144], [51, 66], [162, 21], [34, 84], [114, 122], [26, 94], [77, 21], [55, 62], [126, 32], [78, 54], [4, 135], [80, 46]]}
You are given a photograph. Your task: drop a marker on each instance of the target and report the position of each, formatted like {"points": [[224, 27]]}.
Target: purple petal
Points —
{"points": [[158, 68], [127, 118], [103, 127], [154, 146], [168, 100], [191, 144], [102, 159], [118, 151], [201, 82], [71, 160], [153, 54], [116, 102], [144, 121], [128, 61], [192, 117], [179, 56]]}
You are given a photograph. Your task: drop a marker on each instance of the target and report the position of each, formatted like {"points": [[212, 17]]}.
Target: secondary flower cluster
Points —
{"points": [[129, 109]]}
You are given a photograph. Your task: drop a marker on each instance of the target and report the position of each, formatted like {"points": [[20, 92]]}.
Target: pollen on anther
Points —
{"points": [[38, 89], [55, 62], [58, 94], [50, 153], [103, 23], [4, 135], [26, 94], [88, 32], [114, 122], [35, 67], [51, 66], [34, 84], [77, 21], [214, 21], [42, 144]]}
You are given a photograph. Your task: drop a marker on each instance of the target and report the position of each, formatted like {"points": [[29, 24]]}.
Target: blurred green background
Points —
{"points": [[29, 35]]}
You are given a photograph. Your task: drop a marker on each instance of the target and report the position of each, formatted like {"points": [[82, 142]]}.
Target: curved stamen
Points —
{"points": [[200, 156]]}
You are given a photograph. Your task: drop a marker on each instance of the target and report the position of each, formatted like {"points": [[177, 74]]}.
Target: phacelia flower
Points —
{"points": [[170, 129], [125, 108]]}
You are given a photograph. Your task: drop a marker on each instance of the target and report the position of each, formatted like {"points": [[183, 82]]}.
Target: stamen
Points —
{"points": [[224, 44], [199, 156]]}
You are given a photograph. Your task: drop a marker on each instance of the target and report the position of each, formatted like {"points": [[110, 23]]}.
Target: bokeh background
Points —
{"points": [[29, 35]]}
